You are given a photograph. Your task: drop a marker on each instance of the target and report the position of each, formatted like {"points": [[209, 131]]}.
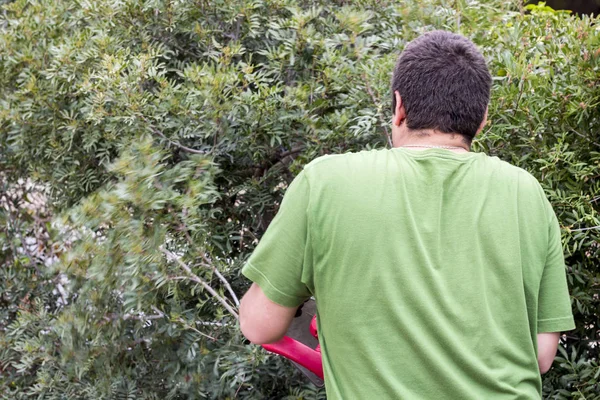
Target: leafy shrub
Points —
{"points": [[164, 134]]}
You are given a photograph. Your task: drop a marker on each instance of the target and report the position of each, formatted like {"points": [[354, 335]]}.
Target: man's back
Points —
{"points": [[433, 270], [426, 268]]}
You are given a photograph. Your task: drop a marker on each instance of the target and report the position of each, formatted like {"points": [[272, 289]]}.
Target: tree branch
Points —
{"points": [[188, 326], [222, 278], [585, 229], [219, 324], [176, 144], [210, 265], [292, 151], [585, 137], [171, 256]]}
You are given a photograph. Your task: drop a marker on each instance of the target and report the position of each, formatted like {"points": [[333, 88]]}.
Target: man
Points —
{"points": [[438, 273]]}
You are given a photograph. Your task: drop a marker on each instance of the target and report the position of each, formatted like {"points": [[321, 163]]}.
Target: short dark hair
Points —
{"points": [[444, 83]]}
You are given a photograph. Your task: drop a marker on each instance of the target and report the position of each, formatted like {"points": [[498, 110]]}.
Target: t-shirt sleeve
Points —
{"points": [[554, 303], [283, 255]]}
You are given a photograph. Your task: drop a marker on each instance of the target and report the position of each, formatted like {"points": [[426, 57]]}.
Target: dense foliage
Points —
{"points": [[145, 145]]}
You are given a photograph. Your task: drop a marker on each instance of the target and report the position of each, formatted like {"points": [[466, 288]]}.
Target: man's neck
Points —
{"points": [[426, 139]]}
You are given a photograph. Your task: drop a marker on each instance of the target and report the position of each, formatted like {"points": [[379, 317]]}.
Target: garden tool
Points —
{"points": [[301, 345]]}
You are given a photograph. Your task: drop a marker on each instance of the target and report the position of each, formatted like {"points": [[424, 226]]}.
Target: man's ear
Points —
{"points": [[483, 123], [399, 111]]}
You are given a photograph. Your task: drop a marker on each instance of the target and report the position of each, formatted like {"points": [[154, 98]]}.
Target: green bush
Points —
{"points": [[162, 135]]}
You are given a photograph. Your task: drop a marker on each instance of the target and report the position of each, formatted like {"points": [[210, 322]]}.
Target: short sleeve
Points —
{"points": [[554, 303], [283, 255]]}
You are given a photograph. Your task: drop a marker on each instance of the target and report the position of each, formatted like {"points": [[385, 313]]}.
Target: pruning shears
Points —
{"points": [[301, 345]]}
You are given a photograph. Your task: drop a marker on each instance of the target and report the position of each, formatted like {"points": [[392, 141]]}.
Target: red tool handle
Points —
{"points": [[298, 352]]}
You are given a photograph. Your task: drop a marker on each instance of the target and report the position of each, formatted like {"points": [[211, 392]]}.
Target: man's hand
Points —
{"points": [[261, 320]]}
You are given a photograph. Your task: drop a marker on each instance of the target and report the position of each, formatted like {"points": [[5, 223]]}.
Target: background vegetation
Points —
{"points": [[145, 146], [577, 6]]}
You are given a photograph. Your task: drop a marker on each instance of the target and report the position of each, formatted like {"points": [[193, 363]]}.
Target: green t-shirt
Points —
{"points": [[432, 271]]}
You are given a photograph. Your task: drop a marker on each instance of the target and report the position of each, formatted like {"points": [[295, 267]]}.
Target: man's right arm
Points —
{"points": [[554, 303], [547, 343]]}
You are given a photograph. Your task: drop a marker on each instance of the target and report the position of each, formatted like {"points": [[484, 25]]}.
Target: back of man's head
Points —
{"points": [[444, 84]]}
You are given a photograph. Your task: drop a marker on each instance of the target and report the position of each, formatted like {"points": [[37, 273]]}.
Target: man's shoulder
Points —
{"points": [[334, 164], [526, 184], [512, 171], [330, 162], [325, 161]]}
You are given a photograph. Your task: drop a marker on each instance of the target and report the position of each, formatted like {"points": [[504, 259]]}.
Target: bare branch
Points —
{"points": [[159, 314], [189, 278], [585, 137], [157, 311], [521, 8], [209, 264], [127, 316], [188, 326], [176, 144], [222, 278], [171, 256], [204, 323], [292, 151], [180, 278], [585, 229]]}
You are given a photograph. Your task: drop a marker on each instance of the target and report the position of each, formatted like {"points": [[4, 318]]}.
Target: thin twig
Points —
{"points": [[521, 8], [182, 147], [171, 256], [186, 325], [582, 340], [157, 311], [521, 88], [222, 278], [227, 286], [159, 314], [189, 278], [204, 323], [211, 266], [290, 152], [128, 316], [176, 144], [585, 229], [381, 120], [585, 137], [179, 278]]}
